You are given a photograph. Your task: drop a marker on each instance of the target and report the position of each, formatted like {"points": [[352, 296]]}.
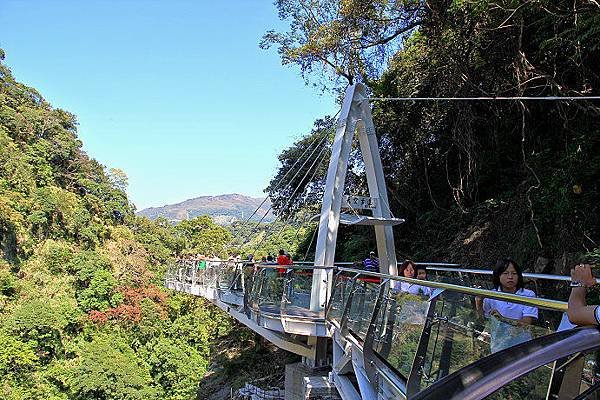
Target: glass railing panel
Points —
{"points": [[461, 334], [360, 313], [253, 294], [184, 271], [298, 289], [248, 274], [272, 282], [398, 328], [342, 285], [171, 272], [210, 276], [590, 376], [230, 277], [547, 286], [461, 278]]}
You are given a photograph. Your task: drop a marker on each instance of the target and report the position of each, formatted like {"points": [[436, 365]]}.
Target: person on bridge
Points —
{"points": [[579, 312], [507, 320], [283, 259], [201, 262], [409, 269], [371, 263]]}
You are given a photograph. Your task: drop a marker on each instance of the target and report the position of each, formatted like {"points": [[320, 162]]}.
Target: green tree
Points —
{"points": [[201, 235], [44, 324], [107, 368], [16, 357], [118, 178], [352, 39], [55, 255], [176, 365], [100, 294]]}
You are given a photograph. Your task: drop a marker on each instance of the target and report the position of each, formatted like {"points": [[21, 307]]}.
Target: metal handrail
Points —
{"points": [[563, 278], [454, 267], [548, 304], [433, 266], [498, 369], [291, 266]]}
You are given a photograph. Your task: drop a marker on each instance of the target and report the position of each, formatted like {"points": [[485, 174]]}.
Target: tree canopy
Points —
{"points": [[522, 176], [352, 39], [83, 311]]}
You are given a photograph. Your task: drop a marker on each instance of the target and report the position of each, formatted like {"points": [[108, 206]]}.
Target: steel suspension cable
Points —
{"points": [[310, 244], [310, 180], [325, 134], [285, 176], [320, 155], [279, 182], [291, 180]]}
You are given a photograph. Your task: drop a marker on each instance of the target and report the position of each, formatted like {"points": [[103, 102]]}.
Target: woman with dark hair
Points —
{"points": [[283, 259], [508, 319], [409, 269]]}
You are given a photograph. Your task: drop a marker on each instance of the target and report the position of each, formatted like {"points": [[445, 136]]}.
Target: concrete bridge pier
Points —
{"points": [[305, 383]]}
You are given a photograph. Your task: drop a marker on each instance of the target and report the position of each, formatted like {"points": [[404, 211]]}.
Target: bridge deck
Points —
{"points": [[397, 345], [293, 311]]}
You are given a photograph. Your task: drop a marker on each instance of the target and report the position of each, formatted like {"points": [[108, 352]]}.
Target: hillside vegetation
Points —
{"points": [[475, 180], [83, 314]]}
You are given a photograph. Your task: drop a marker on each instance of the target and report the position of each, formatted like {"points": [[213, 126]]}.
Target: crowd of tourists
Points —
{"points": [[507, 321], [201, 261], [504, 317], [198, 261]]}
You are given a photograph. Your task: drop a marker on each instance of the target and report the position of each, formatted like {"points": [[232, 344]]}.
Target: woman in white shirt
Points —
{"points": [[508, 322], [409, 269]]}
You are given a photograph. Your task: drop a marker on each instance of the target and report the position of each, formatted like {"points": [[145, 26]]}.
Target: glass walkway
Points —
{"points": [[386, 344]]}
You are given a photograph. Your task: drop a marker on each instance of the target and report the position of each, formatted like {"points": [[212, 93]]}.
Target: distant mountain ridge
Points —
{"points": [[224, 209]]}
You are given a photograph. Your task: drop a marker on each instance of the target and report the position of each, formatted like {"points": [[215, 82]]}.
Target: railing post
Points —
{"points": [[416, 370], [194, 269]]}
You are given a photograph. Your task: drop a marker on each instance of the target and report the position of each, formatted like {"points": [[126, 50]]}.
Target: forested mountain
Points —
{"points": [[224, 209], [83, 310], [475, 180], [83, 313]]}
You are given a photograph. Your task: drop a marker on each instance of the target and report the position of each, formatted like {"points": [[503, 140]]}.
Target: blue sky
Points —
{"points": [[175, 93]]}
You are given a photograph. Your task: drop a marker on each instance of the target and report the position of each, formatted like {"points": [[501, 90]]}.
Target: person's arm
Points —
{"points": [[530, 313], [527, 320], [578, 312]]}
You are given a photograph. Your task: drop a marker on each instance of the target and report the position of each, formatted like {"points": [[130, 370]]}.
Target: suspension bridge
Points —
{"points": [[373, 342]]}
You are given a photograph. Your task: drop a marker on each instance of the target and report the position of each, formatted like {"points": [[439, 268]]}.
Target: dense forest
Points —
{"points": [[83, 311], [83, 314], [475, 180]]}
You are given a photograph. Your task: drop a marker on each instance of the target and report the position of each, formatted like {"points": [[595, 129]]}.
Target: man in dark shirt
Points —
{"points": [[372, 263]]}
